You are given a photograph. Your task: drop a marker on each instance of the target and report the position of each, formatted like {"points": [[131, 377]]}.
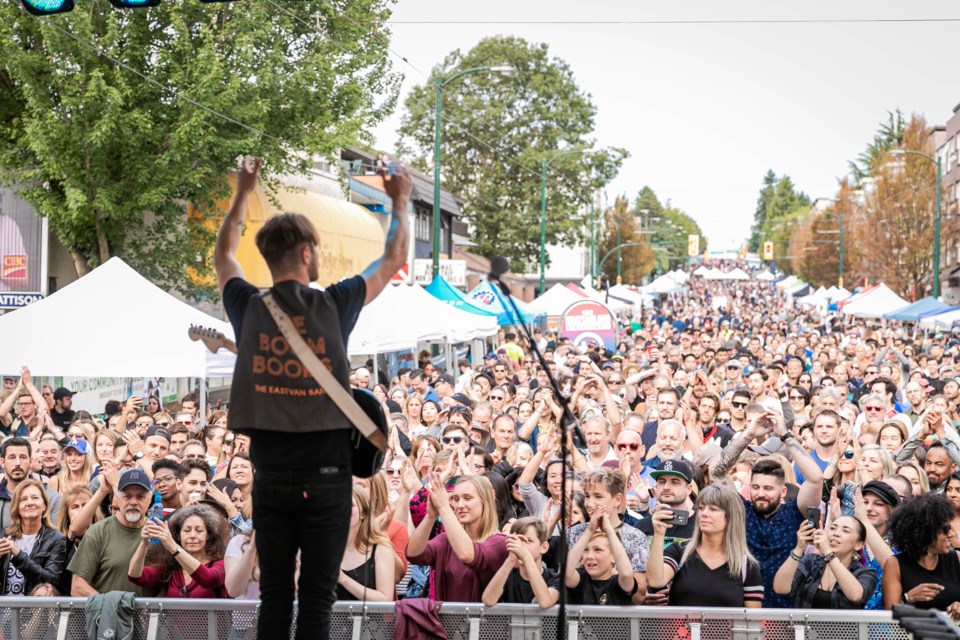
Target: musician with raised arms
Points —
{"points": [[301, 441]]}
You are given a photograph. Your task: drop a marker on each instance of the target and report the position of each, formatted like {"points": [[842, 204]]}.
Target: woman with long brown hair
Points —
{"points": [[192, 567], [367, 568]]}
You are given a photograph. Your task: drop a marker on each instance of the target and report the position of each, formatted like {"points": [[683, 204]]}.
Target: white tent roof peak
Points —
{"points": [[93, 329]]}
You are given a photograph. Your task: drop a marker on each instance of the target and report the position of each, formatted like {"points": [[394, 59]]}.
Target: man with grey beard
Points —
{"points": [[103, 557]]}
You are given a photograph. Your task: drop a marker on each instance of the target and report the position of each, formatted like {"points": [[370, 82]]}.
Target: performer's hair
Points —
{"points": [[282, 238]]}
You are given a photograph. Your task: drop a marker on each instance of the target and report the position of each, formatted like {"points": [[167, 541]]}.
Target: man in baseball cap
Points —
{"points": [[61, 413], [102, 561]]}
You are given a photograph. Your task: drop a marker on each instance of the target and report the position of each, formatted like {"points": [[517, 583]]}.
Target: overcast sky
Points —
{"points": [[706, 109]]}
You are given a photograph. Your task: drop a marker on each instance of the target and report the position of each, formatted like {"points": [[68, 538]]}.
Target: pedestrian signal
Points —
{"points": [[693, 244], [768, 250]]}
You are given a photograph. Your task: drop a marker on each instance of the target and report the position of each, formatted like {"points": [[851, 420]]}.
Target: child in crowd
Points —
{"points": [[523, 578], [605, 575]]}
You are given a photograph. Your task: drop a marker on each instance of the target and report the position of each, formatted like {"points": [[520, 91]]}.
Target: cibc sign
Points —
{"points": [[589, 321]]}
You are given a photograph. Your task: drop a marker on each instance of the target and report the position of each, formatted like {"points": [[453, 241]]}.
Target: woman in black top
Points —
{"points": [[714, 568], [832, 577], [367, 568], [926, 570]]}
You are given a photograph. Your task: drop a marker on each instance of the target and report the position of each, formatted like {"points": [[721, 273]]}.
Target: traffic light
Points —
{"points": [[47, 7], [768, 250], [693, 244]]}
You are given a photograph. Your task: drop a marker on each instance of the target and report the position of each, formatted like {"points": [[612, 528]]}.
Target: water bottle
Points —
{"points": [[156, 512]]}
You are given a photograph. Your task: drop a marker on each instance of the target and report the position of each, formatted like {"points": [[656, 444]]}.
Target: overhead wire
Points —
{"points": [[735, 21]]}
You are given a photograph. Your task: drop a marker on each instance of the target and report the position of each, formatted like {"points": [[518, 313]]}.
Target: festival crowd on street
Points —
{"points": [[740, 454]]}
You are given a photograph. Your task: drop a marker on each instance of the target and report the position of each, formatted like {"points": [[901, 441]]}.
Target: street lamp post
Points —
{"points": [[439, 83], [936, 218], [543, 208]]}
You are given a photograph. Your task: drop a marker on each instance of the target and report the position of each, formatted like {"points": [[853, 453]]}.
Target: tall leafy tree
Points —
{"points": [[760, 214], [671, 233], [635, 262], [889, 135], [111, 159], [497, 131]]}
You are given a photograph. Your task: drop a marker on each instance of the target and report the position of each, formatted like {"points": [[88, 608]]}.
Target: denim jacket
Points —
{"points": [[810, 570]]}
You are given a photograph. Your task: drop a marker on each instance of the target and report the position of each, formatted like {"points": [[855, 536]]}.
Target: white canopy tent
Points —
{"points": [[381, 328], [766, 276], [874, 303], [92, 328], [715, 274], [701, 271], [663, 284], [612, 302], [788, 282], [638, 298], [737, 274], [943, 320], [679, 276], [555, 300]]}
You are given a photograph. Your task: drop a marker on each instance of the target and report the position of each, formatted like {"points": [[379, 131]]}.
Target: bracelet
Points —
{"points": [[830, 557], [794, 556]]}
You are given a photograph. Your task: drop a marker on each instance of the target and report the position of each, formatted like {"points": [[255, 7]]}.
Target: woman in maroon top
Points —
{"points": [[192, 543], [470, 550]]}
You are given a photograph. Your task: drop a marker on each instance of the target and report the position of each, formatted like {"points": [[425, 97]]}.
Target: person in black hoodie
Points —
{"points": [[33, 552]]}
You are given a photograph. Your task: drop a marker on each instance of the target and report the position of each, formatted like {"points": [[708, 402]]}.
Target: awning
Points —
{"points": [[351, 237]]}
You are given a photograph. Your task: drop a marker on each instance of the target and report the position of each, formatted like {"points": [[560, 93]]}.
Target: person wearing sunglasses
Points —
{"points": [[738, 410], [455, 437], [800, 403]]}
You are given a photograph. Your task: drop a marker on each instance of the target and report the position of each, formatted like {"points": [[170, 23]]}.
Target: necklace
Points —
{"points": [[712, 562]]}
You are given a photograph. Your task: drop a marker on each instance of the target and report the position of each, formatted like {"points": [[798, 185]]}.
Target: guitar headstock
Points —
{"points": [[214, 340]]}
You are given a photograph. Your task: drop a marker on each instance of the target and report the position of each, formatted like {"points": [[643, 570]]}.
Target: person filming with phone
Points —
{"points": [[300, 440]]}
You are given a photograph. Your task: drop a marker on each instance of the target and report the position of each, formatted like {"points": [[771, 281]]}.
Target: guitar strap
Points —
{"points": [[335, 391]]}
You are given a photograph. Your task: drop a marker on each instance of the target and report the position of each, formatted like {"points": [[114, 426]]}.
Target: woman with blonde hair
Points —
{"points": [[470, 550], [412, 410], [876, 463], [367, 567], [714, 568], [913, 472], [73, 528], [103, 445], [78, 467], [33, 552]]}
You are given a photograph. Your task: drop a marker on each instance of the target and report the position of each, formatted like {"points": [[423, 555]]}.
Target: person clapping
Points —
{"points": [[192, 567]]}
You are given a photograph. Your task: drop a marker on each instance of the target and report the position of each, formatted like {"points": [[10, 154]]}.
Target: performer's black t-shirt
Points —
{"points": [[286, 450]]}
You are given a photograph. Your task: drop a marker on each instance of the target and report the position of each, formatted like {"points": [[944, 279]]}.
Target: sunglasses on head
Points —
{"points": [[452, 439], [623, 446]]}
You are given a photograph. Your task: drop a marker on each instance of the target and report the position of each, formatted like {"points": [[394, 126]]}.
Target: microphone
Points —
{"points": [[499, 265]]}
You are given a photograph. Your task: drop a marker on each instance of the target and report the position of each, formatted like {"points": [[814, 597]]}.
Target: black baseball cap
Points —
{"points": [[447, 378], [134, 477], [61, 393], [677, 468], [157, 430]]}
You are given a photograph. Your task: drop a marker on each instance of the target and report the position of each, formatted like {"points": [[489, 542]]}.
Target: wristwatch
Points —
{"points": [[177, 552], [138, 455]]}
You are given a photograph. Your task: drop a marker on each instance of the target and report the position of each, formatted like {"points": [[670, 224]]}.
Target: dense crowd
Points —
{"points": [[732, 451]]}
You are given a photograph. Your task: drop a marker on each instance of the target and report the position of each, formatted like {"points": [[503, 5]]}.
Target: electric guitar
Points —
{"points": [[367, 458]]}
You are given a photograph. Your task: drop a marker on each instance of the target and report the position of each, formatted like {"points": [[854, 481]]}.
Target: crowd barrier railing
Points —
{"points": [[24, 618]]}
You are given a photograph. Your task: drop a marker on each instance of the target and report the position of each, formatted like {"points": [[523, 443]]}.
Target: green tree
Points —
{"points": [[889, 135], [497, 131], [111, 159], [671, 234], [785, 210], [767, 192]]}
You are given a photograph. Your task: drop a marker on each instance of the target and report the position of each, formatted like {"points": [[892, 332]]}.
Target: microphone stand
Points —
{"points": [[568, 422]]}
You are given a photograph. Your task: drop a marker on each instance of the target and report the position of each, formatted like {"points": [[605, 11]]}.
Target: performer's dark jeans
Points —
{"points": [[307, 510]]}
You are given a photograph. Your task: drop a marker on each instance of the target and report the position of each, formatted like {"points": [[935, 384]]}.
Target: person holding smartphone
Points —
{"points": [[714, 568]]}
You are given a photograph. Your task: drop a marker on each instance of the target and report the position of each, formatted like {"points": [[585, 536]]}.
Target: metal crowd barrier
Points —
{"points": [[188, 619]]}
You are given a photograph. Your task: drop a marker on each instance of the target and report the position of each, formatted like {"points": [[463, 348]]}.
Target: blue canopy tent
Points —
{"points": [[913, 312], [442, 290], [488, 297]]}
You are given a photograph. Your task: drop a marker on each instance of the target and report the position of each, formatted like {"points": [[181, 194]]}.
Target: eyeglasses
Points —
{"points": [[144, 423], [390, 471], [848, 454], [164, 479], [497, 397], [738, 405], [854, 366], [614, 381], [873, 409], [79, 436], [871, 372], [623, 446], [796, 397], [451, 439], [163, 423]]}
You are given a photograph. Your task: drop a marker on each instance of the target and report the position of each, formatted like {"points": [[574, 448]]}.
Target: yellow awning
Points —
{"points": [[351, 237]]}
